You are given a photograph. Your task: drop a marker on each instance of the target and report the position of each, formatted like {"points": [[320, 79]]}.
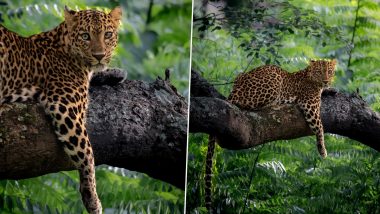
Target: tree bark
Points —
{"points": [[134, 125], [342, 114]]}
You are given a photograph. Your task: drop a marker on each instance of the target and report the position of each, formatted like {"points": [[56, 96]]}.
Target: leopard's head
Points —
{"points": [[322, 71], [92, 35]]}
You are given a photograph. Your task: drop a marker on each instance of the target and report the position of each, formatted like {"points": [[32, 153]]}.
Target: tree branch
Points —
{"points": [[135, 125], [346, 115]]}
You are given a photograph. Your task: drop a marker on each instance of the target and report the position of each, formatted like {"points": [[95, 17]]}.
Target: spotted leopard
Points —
{"points": [[271, 85], [54, 68]]}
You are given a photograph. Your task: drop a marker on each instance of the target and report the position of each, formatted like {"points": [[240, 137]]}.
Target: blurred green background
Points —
{"points": [[289, 176], [149, 42]]}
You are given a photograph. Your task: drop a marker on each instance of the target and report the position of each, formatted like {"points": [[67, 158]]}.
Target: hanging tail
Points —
{"points": [[210, 154]]}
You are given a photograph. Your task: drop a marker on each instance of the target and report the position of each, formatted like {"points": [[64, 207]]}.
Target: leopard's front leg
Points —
{"points": [[69, 122], [311, 111]]}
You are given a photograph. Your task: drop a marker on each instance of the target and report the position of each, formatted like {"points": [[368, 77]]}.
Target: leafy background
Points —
{"points": [[288, 176], [147, 46]]}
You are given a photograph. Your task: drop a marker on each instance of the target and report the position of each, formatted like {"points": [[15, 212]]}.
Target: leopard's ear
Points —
{"points": [[116, 14], [69, 16], [333, 62]]}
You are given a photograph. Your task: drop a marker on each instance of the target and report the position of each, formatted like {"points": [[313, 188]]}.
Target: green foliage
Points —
{"points": [[138, 194], [55, 192], [145, 50], [262, 27], [162, 43], [119, 190], [290, 177]]}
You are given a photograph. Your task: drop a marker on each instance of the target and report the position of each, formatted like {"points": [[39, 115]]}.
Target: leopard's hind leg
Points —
{"points": [[311, 111], [69, 122]]}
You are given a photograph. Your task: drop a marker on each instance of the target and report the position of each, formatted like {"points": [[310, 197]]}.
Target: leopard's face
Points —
{"points": [[93, 35], [322, 71]]}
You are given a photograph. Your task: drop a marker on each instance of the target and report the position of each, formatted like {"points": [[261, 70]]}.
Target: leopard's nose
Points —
{"points": [[99, 56]]}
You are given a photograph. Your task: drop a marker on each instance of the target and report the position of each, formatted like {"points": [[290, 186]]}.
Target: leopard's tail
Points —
{"points": [[210, 154]]}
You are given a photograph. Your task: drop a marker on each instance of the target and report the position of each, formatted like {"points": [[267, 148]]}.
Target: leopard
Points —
{"points": [[54, 69], [270, 86]]}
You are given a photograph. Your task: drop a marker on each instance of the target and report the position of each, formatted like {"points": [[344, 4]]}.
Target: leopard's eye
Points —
{"points": [[85, 36], [108, 35]]}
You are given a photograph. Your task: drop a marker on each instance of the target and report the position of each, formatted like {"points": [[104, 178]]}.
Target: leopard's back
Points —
{"points": [[14, 63], [258, 88]]}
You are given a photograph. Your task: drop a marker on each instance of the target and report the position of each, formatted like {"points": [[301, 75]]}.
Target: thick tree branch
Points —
{"points": [[135, 125], [346, 115]]}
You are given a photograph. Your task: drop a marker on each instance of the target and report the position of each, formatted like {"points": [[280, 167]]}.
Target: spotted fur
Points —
{"points": [[55, 67], [270, 85]]}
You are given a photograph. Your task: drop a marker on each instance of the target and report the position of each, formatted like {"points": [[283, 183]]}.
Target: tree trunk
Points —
{"points": [[346, 115], [134, 125]]}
